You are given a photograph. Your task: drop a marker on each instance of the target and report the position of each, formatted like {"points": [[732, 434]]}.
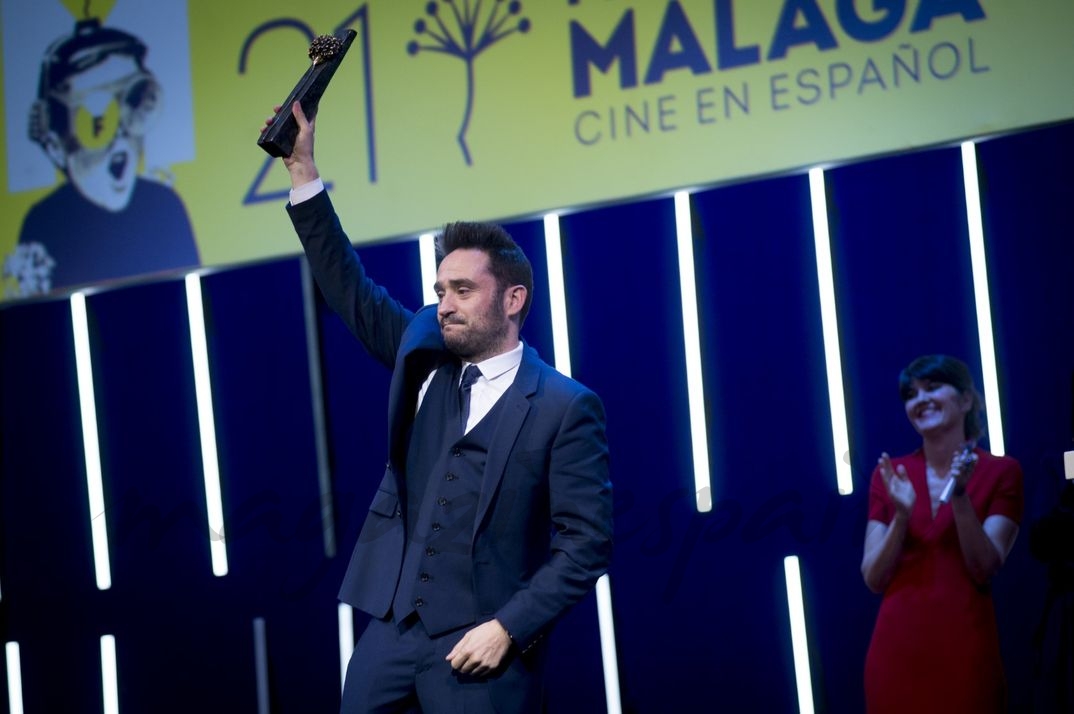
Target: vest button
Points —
{"points": [[436, 526], [418, 602], [425, 577], [456, 452], [442, 501], [430, 551], [450, 477]]}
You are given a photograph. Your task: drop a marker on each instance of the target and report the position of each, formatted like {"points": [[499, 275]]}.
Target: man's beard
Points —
{"points": [[482, 335]]}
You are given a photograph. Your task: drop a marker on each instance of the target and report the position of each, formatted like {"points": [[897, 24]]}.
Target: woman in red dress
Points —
{"points": [[941, 522]]}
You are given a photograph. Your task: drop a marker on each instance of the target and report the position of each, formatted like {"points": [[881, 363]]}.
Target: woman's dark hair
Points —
{"points": [[947, 370]]}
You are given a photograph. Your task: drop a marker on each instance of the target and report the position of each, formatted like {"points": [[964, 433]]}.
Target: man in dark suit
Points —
{"points": [[494, 515]]}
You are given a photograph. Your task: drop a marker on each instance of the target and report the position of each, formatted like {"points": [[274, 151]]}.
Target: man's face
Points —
{"points": [[472, 314], [102, 153]]}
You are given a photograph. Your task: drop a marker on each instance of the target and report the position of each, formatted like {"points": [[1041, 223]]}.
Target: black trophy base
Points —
{"points": [[279, 138]]}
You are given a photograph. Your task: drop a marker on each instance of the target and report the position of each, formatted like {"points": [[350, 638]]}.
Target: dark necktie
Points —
{"points": [[469, 376]]}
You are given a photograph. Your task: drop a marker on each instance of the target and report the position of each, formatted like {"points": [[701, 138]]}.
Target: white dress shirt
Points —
{"points": [[306, 191], [497, 374]]}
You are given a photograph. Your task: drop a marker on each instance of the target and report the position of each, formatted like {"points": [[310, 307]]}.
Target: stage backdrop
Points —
{"points": [[142, 159]]}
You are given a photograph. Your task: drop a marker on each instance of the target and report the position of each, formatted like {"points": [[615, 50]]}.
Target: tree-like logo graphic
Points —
{"points": [[467, 40]]}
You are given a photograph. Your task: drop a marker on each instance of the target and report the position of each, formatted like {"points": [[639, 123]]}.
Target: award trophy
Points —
{"points": [[326, 52]]}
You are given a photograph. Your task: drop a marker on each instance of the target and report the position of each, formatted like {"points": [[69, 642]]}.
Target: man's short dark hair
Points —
{"points": [[507, 263]]}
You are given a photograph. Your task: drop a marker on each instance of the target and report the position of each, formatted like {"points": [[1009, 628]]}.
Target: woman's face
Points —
{"points": [[936, 407]]}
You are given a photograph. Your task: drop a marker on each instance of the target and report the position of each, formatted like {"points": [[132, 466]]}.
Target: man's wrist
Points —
{"points": [[305, 191], [506, 632]]}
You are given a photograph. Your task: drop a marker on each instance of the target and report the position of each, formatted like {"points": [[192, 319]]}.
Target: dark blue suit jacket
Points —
{"points": [[543, 531]]}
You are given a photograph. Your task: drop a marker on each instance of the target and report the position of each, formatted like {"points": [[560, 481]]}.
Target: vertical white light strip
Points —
{"points": [[691, 337], [561, 340], [1068, 465], [261, 665], [608, 654], [210, 466], [979, 263], [320, 432], [109, 676], [427, 254], [346, 640], [14, 677], [799, 640], [830, 328], [557, 294], [94, 480]]}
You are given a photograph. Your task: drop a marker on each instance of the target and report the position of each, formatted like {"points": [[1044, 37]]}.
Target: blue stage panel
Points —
{"points": [[47, 561], [278, 569], [177, 628]]}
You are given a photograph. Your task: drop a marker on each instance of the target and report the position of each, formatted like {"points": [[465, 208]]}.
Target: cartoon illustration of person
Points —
{"points": [[96, 100]]}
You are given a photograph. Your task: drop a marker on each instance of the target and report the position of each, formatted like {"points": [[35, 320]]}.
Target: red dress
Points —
{"points": [[935, 647]]}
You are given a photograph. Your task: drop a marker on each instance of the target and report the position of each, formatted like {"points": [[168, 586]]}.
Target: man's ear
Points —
{"points": [[514, 298]]}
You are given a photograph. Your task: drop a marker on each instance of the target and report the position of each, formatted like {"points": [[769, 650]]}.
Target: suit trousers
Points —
{"points": [[399, 669]]}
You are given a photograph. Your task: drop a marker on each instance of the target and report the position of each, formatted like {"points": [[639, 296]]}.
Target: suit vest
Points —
{"points": [[444, 473]]}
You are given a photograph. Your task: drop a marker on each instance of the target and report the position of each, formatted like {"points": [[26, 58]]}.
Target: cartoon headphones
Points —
{"points": [[56, 111]]}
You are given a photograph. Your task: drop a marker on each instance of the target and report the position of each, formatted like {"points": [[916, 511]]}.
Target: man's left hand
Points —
{"points": [[481, 650]]}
